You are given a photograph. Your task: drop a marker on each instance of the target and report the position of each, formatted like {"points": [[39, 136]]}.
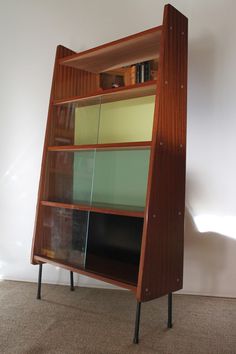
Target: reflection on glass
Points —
{"points": [[59, 177], [62, 125], [75, 123], [69, 176], [64, 235]]}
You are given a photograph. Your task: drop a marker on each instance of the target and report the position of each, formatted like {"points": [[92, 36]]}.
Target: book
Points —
{"points": [[147, 71], [133, 74]]}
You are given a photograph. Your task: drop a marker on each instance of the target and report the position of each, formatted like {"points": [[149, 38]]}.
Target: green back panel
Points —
{"points": [[115, 177], [83, 176], [120, 177], [87, 124]]}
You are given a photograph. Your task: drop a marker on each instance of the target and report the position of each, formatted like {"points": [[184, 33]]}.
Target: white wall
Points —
{"points": [[30, 30]]}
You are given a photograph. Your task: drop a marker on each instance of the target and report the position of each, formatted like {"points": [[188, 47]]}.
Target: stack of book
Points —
{"points": [[129, 75], [145, 72]]}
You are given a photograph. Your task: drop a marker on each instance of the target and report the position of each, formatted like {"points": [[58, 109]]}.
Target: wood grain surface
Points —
{"points": [[161, 265]]}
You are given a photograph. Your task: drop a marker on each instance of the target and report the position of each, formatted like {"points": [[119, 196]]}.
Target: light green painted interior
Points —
{"points": [[87, 124], [121, 121], [117, 177], [83, 176]]}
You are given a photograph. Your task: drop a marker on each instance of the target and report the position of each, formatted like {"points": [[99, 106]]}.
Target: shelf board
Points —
{"points": [[104, 208], [114, 94], [92, 274], [113, 268], [122, 52], [114, 146]]}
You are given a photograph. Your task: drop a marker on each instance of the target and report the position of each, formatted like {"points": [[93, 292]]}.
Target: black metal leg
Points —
{"points": [[72, 288], [39, 281], [169, 323], [137, 321]]}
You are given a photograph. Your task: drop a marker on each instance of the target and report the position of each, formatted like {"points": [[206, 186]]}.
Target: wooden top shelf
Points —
{"points": [[129, 50], [114, 146], [115, 94], [104, 208]]}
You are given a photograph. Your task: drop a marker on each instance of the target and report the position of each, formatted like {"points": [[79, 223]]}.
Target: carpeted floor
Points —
{"points": [[102, 322]]}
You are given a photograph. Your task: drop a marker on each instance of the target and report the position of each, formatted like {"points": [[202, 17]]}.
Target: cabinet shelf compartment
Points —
{"points": [[132, 49], [127, 121], [63, 235], [113, 246], [76, 269], [98, 179], [104, 244]]}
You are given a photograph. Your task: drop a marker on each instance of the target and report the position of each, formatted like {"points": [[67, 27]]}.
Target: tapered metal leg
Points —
{"points": [[39, 281], [169, 323], [72, 288], [137, 321]]}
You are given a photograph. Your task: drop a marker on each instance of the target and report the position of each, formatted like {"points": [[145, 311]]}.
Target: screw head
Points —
{"points": [[182, 33], [166, 82], [181, 145], [182, 86], [171, 27], [178, 280], [161, 143], [179, 213], [154, 216]]}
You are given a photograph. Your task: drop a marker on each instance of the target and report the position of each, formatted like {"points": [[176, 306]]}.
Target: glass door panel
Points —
{"points": [[100, 122], [75, 123], [63, 235], [112, 178], [113, 246], [87, 124], [127, 120], [120, 121], [83, 176], [69, 176], [120, 178]]}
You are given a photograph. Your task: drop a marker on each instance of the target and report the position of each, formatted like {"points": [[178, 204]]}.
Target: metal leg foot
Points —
{"points": [[169, 323], [137, 321], [72, 288], [39, 281]]}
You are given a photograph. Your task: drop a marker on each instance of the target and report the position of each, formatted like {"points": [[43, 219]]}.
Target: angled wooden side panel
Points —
{"points": [[73, 82], [59, 76], [161, 264]]}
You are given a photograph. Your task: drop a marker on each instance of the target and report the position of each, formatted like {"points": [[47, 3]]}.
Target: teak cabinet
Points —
{"points": [[112, 189]]}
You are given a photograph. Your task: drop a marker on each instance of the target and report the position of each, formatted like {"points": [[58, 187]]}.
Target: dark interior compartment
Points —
{"points": [[113, 247]]}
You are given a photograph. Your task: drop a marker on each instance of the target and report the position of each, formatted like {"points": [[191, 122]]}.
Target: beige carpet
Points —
{"points": [[102, 322]]}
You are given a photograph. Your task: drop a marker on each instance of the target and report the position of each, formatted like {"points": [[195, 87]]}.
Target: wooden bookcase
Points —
{"points": [[112, 188]]}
